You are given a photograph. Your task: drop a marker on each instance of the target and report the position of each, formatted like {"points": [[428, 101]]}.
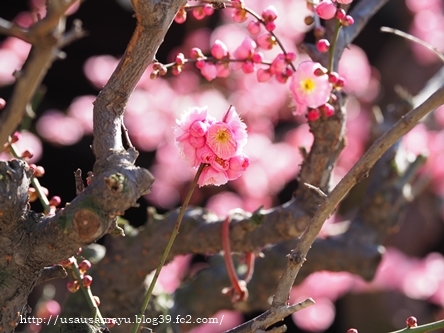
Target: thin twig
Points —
{"points": [[125, 133], [316, 189], [80, 186], [414, 39], [270, 317]]}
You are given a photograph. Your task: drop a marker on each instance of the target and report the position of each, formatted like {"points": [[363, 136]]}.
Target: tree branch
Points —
{"points": [[44, 36]]}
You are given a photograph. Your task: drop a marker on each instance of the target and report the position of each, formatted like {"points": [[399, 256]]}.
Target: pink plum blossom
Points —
{"points": [[217, 145], [221, 140], [309, 89], [59, 129], [98, 69]]}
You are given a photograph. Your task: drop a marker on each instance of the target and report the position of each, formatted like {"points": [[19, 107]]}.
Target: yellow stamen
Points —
{"points": [[222, 136], [308, 85]]}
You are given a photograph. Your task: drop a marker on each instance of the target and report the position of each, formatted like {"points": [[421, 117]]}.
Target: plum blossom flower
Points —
{"points": [[308, 89], [217, 145]]}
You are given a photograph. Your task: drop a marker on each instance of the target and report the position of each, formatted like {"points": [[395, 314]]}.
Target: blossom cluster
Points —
{"points": [[216, 144]]}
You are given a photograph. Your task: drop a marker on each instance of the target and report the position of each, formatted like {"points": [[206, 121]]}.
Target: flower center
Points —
{"points": [[308, 85], [223, 136], [221, 140]]}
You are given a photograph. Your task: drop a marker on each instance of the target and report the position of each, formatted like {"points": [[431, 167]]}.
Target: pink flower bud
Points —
{"points": [[55, 201], [340, 14], [208, 10], [248, 67], [199, 13], [257, 57], [73, 286], [239, 15], [323, 45], [290, 56], [163, 70], [2, 103], [279, 64], [313, 114], [200, 64], [209, 71], [320, 71], [176, 70], [340, 83], [87, 281], [237, 165], [326, 10], [281, 78], [263, 75], [269, 14], [270, 26], [327, 109], [254, 27], [411, 322], [348, 21], [179, 59], [196, 53], [16, 136], [219, 50], [333, 77], [84, 265], [181, 16], [67, 263], [198, 128]]}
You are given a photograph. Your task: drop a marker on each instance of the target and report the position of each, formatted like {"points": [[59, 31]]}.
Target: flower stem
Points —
{"points": [[333, 46], [175, 232], [88, 294]]}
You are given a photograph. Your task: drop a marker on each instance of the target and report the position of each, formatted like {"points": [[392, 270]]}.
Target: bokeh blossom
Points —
{"points": [[309, 89], [217, 144]]}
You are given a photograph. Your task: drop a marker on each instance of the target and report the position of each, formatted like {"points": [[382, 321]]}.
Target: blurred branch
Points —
{"points": [[414, 39], [45, 36]]}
